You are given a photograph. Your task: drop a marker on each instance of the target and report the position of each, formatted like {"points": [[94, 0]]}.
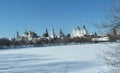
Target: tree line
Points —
{"points": [[6, 43]]}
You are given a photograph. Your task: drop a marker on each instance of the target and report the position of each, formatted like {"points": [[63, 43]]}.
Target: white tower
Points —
{"points": [[84, 31], [76, 32], [17, 34], [52, 34], [79, 32]]}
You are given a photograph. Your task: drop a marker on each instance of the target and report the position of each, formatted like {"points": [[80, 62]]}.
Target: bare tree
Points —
{"points": [[112, 21], [115, 17], [112, 57]]}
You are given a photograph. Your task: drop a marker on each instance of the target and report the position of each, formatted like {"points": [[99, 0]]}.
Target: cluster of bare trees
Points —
{"points": [[6, 43], [112, 57], [112, 21]]}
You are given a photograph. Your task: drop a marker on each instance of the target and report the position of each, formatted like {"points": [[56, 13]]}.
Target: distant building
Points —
{"points": [[29, 35], [26, 36], [77, 32], [52, 34], [17, 37], [100, 39], [61, 34], [46, 34], [93, 34]]}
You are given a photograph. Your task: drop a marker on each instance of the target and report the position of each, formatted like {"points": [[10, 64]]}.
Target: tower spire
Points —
{"points": [[84, 27], [17, 34], [61, 34], [46, 33], [52, 33]]}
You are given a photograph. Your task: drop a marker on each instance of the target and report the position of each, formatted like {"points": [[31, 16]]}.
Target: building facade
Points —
{"points": [[26, 36], [77, 32]]}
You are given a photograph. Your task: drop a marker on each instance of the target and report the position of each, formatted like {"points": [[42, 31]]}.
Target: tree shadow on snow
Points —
{"points": [[17, 63]]}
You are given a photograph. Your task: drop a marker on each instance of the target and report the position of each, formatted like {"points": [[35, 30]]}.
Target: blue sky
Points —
{"points": [[36, 15]]}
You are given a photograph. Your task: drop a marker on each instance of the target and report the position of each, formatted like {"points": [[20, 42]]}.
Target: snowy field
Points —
{"points": [[58, 59]]}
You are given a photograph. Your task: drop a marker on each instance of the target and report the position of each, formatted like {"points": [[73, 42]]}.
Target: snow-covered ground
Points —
{"points": [[56, 59]]}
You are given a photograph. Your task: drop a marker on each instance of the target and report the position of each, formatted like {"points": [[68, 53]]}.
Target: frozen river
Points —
{"points": [[58, 59]]}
